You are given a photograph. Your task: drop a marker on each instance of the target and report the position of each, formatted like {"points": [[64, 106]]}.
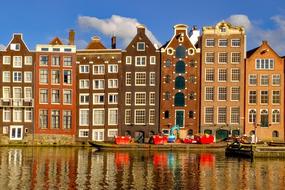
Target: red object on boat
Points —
{"points": [[204, 139], [159, 139], [189, 141], [123, 139]]}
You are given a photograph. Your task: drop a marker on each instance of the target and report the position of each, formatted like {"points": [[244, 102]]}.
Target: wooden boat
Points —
{"points": [[239, 150], [282, 144], [167, 146]]}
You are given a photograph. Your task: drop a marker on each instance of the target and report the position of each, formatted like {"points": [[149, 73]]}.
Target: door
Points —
{"points": [[179, 118], [221, 134], [16, 132]]}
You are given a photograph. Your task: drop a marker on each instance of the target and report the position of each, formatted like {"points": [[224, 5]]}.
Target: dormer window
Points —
{"points": [[140, 46], [223, 29], [15, 47]]}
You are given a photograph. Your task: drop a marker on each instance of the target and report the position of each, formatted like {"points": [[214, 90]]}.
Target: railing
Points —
{"points": [[16, 102]]}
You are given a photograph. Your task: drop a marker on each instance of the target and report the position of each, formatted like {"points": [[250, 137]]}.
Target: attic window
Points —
{"points": [[67, 50], [140, 46], [223, 29], [15, 47], [44, 49]]}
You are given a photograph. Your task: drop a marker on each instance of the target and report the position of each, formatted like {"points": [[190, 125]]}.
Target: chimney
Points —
{"points": [[71, 37], [140, 29], [113, 42]]}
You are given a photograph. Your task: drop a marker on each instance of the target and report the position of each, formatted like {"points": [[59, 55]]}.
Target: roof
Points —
{"points": [[95, 44], [250, 52], [56, 41]]}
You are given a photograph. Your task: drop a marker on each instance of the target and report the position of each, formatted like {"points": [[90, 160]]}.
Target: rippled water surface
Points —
{"points": [[83, 168]]}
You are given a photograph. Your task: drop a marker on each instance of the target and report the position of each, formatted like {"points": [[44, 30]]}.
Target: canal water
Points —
{"points": [[83, 168]]}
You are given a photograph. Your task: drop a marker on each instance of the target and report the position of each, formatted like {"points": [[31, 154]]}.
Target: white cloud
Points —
{"points": [[122, 27], [2, 47], [256, 33]]}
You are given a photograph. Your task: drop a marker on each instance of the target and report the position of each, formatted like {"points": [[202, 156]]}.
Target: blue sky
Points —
{"points": [[40, 21]]}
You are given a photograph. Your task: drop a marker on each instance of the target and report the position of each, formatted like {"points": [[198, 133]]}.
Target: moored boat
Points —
{"points": [[238, 149]]}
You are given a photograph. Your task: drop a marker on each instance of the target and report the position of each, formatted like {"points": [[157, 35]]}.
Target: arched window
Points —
{"points": [[179, 99], [167, 95], [180, 52], [179, 83], [168, 63], [275, 116], [166, 114], [191, 114], [275, 134], [180, 67], [252, 116], [264, 118], [167, 79]]}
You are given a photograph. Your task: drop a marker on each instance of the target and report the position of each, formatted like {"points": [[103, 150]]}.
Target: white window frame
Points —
{"points": [[85, 69], [126, 96], [17, 127], [100, 70], [14, 113], [138, 59], [207, 40], [272, 79], [223, 39], [6, 110], [130, 111], [149, 116], [206, 62], [136, 78], [138, 43], [14, 77], [138, 104], [101, 84], [232, 75], [113, 83], [127, 84], [112, 130], [113, 68], [103, 119], [152, 60], [5, 58], [109, 116], [152, 80], [84, 95], [128, 60], [64, 92], [25, 93], [98, 131], [7, 98], [233, 40], [135, 115], [28, 60], [114, 95], [84, 87], [98, 94], [219, 58], [150, 99], [3, 76], [25, 76], [25, 115], [81, 135], [19, 64], [84, 124], [255, 75]]}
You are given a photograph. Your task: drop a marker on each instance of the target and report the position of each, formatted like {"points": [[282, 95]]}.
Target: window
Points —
{"points": [[28, 77], [168, 63], [140, 98], [84, 99], [222, 114], [128, 60], [191, 114], [6, 60], [235, 75], [128, 78], [264, 80], [43, 60], [140, 60], [152, 78], [17, 61], [222, 75], [140, 78], [6, 114], [113, 116], [112, 132], [210, 42], [252, 116], [180, 67], [15, 46], [276, 80], [152, 60], [67, 96], [83, 117], [236, 57], [180, 52], [264, 64], [84, 83], [223, 57], [252, 97], [128, 98], [16, 132], [235, 94], [223, 43], [55, 119], [179, 99], [152, 116], [264, 118], [140, 46], [43, 96], [6, 76], [209, 115], [152, 98], [98, 69], [179, 82], [209, 93], [252, 79], [210, 57], [28, 114], [113, 98], [55, 76], [43, 76], [28, 60], [140, 117], [192, 95], [67, 61], [264, 97], [275, 116], [275, 134], [167, 95], [235, 115], [83, 133], [17, 115], [6, 92], [210, 75], [222, 93], [17, 76], [55, 61], [98, 135], [98, 98], [275, 97], [98, 116], [67, 76], [84, 68], [128, 118], [112, 68], [28, 93], [166, 114], [98, 84], [55, 96], [235, 42], [113, 83]]}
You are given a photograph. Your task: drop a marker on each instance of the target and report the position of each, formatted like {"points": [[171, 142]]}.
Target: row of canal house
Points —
{"points": [[204, 83]]}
